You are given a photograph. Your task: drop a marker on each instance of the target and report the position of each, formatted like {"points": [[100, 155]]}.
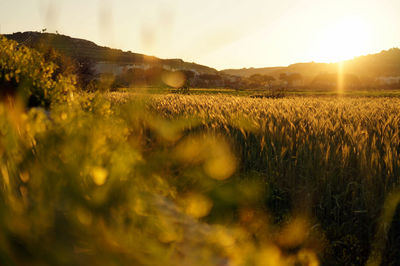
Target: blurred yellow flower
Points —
{"points": [[99, 175], [197, 205]]}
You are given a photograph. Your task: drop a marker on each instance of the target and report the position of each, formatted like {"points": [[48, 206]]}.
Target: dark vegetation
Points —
{"points": [[32, 76]]}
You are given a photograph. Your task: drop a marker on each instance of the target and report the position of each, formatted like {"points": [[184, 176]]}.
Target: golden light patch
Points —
{"points": [[190, 150], [294, 233], [307, 257], [269, 255], [24, 177], [4, 173], [224, 238], [174, 79], [63, 116], [197, 205], [221, 166], [218, 160], [169, 232], [139, 207], [99, 175], [220, 163]]}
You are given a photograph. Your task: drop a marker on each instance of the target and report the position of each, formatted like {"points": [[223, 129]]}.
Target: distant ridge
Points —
{"points": [[385, 63], [79, 48]]}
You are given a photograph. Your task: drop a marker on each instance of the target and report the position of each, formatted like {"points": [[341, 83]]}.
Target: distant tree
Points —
{"points": [[325, 80], [290, 79], [210, 77], [282, 76], [209, 80], [330, 81], [189, 74], [84, 71], [139, 77], [268, 80], [189, 77], [64, 63], [82, 67], [153, 75], [260, 81], [352, 81], [256, 78]]}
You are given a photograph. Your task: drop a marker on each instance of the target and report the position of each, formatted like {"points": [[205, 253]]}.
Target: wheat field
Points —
{"points": [[150, 179], [334, 160]]}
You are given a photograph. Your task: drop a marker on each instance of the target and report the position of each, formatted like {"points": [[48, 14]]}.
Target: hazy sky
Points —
{"points": [[219, 33]]}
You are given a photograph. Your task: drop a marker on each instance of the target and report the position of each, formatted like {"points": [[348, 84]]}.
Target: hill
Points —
{"points": [[83, 49], [383, 64], [247, 72]]}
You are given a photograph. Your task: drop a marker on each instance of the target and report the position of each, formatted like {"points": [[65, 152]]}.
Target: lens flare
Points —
{"points": [[340, 81], [174, 79]]}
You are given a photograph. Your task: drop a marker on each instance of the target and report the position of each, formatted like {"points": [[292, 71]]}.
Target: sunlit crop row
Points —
{"points": [[335, 159], [362, 131], [199, 180]]}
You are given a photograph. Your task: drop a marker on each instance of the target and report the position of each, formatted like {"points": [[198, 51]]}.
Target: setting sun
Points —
{"points": [[342, 40]]}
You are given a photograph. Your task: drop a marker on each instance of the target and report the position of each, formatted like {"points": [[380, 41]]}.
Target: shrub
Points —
{"points": [[25, 72]]}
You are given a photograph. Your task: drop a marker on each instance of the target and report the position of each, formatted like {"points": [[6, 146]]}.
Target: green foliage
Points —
{"points": [[25, 72]]}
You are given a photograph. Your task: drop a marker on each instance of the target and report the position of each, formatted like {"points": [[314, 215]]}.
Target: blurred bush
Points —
{"points": [[26, 73]]}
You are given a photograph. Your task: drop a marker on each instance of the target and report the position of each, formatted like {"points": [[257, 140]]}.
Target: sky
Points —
{"points": [[218, 33]]}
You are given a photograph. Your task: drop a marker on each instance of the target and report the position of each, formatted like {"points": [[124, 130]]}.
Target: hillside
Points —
{"points": [[383, 64], [79, 48], [247, 72], [386, 63]]}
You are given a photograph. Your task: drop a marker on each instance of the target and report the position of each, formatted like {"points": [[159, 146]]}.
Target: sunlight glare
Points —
{"points": [[342, 40], [340, 81]]}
